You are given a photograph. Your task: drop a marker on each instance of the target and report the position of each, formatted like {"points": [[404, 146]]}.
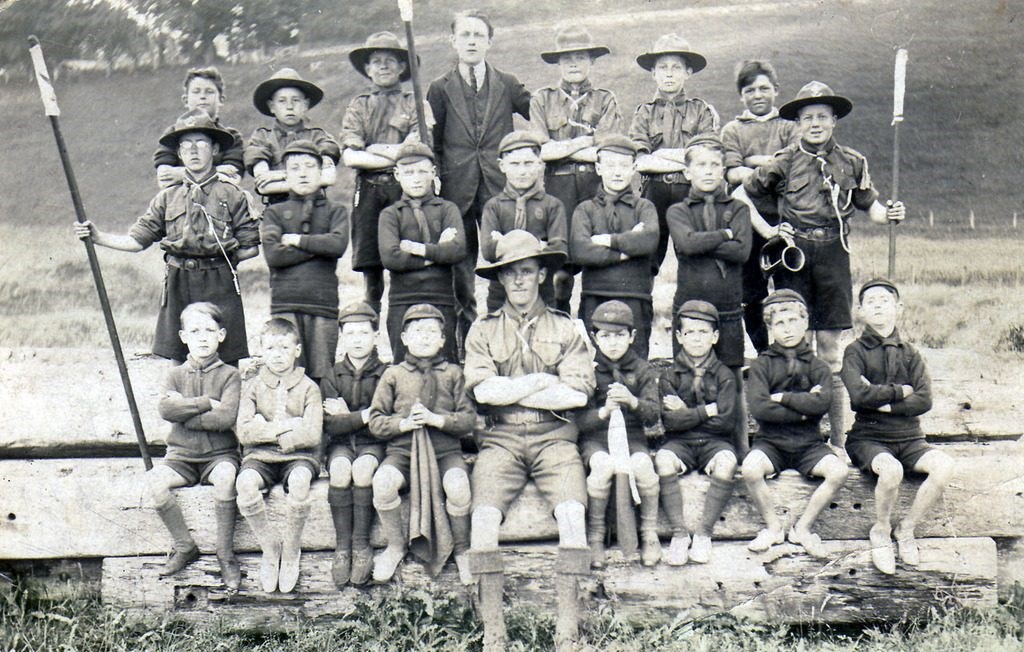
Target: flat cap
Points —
{"points": [[422, 311], [612, 316], [784, 295], [413, 151], [697, 309], [710, 140], [357, 311], [619, 143], [302, 146], [518, 139], [878, 282]]}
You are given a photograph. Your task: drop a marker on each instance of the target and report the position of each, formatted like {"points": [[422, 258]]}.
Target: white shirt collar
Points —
{"points": [[480, 69]]}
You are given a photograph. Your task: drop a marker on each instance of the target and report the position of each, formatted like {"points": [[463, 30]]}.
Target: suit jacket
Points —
{"points": [[466, 160]]}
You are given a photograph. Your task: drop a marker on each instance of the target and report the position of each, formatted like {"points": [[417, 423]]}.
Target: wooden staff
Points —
{"points": [[53, 111], [899, 88], [405, 9]]}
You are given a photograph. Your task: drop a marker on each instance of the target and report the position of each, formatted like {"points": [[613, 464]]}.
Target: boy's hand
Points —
{"points": [[864, 380], [173, 395], [776, 397], [169, 175], [783, 229], [885, 408], [448, 235], [815, 390], [621, 395], [425, 417], [413, 248], [712, 410], [895, 211], [757, 160], [728, 233], [214, 404], [602, 240], [495, 235], [228, 173], [335, 406], [637, 228], [285, 441], [365, 414], [673, 402], [84, 230], [407, 425], [267, 178], [291, 239], [907, 391]]}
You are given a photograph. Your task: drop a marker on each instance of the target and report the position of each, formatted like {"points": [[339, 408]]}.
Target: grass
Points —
{"points": [[421, 621]]}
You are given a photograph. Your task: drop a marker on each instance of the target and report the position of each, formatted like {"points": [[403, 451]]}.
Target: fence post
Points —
{"points": [[931, 219], [972, 219], [1015, 220]]}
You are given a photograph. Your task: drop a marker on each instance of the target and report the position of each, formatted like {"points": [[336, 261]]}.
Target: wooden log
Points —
{"points": [[96, 508], [976, 398], [783, 586], [57, 580]]}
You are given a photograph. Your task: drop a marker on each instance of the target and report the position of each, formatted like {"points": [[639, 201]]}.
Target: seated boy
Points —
{"points": [[523, 204], [204, 228], [353, 454], [286, 97], [421, 239], [420, 409], [661, 127], [790, 390], [625, 383], [614, 238], [200, 399], [889, 390], [204, 89], [698, 413], [303, 238], [280, 425]]}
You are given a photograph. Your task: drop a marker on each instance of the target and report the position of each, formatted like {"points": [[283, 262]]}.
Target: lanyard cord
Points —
{"points": [[588, 129], [833, 191], [220, 245]]}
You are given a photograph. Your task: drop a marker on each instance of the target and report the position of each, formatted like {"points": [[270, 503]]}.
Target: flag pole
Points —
{"points": [[899, 89]]}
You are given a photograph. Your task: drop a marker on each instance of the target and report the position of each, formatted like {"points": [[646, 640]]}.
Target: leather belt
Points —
{"points": [[669, 177], [571, 168], [193, 264]]}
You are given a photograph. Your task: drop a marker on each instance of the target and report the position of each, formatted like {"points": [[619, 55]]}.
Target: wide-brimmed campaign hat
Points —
{"points": [[672, 44], [518, 245], [815, 92], [284, 78], [385, 41], [573, 39], [196, 120]]}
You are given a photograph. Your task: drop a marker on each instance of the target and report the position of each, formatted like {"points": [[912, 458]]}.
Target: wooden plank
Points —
{"points": [[976, 398], [785, 586], [48, 506], [47, 579]]}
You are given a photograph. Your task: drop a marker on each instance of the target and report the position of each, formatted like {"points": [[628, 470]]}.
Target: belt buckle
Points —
{"points": [[191, 264], [819, 233]]}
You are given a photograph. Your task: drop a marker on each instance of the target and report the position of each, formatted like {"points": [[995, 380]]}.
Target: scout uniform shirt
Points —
{"points": [[355, 387], [382, 116], [563, 112], [268, 144], [641, 380], [669, 122], [793, 372], [804, 181], [267, 398], [717, 384], [541, 214], [200, 431]]}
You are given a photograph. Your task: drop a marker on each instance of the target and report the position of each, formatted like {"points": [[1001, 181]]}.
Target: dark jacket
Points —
{"points": [[692, 421], [356, 388], [641, 380], [197, 428], [799, 414]]}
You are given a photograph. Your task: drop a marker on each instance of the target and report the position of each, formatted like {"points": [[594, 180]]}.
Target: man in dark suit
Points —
{"points": [[473, 106]]}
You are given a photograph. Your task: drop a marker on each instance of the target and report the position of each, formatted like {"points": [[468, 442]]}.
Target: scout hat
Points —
{"points": [[385, 41], [284, 78], [573, 39], [422, 311], [878, 282], [357, 311], [617, 143], [517, 140], [518, 245], [413, 151], [612, 316], [196, 120], [784, 295], [672, 44], [697, 309], [301, 146], [815, 93]]}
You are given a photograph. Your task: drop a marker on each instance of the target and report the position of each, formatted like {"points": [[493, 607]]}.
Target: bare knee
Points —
{"points": [[223, 480], [938, 465], [834, 471], [340, 472], [570, 513], [485, 524], [248, 485], [888, 469], [667, 463], [643, 468], [723, 465], [387, 482], [756, 466], [298, 483], [456, 488], [159, 484], [363, 469], [601, 469]]}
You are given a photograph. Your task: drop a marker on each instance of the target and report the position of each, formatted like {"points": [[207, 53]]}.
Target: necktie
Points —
{"points": [[474, 83], [421, 219]]}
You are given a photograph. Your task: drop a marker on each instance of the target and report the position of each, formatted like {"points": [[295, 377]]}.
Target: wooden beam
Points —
{"points": [[96, 508], [784, 586]]}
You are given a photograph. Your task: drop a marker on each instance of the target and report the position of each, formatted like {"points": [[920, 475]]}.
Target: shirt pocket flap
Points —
{"points": [[548, 350], [401, 120], [796, 184]]}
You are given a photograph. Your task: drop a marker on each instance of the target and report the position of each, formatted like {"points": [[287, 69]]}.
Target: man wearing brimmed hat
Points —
{"points": [[661, 127], [473, 105], [614, 240], [303, 238], [819, 184], [523, 204], [204, 228], [286, 97], [568, 116], [375, 125], [527, 364], [421, 238]]}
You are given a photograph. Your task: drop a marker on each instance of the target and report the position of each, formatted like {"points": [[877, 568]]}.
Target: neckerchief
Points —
{"points": [[576, 94], [617, 368], [892, 352], [428, 367], [747, 116], [698, 371], [607, 201], [421, 218], [381, 101], [796, 373], [668, 118], [280, 384], [306, 209], [525, 322], [709, 215], [521, 197], [369, 365]]}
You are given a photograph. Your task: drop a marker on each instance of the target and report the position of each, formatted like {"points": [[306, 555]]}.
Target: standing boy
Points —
{"points": [[352, 452], [790, 390], [204, 89], [375, 125], [200, 399], [524, 204], [280, 425], [614, 237], [420, 409], [819, 184], [568, 116], [286, 97], [421, 239], [750, 141], [303, 238], [473, 106], [526, 365], [625, 382], [662, 126], [698, 413], [889, 390], [205, 229]]}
